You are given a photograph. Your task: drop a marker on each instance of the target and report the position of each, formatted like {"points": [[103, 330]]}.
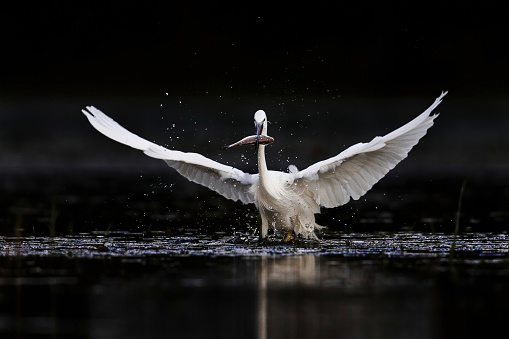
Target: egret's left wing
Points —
{"points": [[228, 181], [353, 172]]}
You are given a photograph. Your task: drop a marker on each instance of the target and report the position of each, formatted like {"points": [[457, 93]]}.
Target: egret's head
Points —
{"points": [[260, 116], [260, 120]]}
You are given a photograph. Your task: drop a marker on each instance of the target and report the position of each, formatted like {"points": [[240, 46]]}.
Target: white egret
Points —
{"points": [[289, 201]]}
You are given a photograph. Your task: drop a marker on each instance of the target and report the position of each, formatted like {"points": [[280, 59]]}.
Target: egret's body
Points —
{"points": [[279, 198], [286, 201]]}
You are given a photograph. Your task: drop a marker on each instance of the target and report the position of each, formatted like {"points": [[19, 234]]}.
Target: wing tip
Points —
{"points": [[434, 105], [442, 95], [91, 111], [87, 113]]}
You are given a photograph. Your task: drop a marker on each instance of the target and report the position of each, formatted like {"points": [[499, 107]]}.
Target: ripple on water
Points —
{"points": [[130, 245]]}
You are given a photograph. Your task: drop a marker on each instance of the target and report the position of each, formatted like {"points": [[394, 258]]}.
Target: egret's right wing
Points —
{"points": [[228, 181], [353, 172]]}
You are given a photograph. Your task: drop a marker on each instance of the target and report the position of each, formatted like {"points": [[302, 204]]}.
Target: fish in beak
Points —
{"points": [[253, 139]]}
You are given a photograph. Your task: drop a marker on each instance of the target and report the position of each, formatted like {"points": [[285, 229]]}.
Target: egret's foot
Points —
{"points": [[289, 237]]}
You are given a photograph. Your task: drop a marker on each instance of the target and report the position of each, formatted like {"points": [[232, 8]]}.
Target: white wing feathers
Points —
{"points": [[230, 182], [329, 183], [353, 172]]}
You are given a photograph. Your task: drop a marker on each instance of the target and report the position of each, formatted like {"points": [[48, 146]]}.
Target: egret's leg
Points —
{"points": [[263, 227]]}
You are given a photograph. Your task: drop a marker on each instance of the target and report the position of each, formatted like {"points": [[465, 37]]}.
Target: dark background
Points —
{"points": [[319, 49], [366, 68], [190, 76]]}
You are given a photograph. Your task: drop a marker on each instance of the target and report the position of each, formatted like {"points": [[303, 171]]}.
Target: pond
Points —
{"points": [[361, 285], [129, 257]]}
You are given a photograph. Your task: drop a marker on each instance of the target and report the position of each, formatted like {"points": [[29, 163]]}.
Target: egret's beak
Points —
{"points": [[259, 127]]}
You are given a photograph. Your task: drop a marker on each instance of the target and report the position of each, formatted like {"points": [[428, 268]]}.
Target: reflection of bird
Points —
{"points": [[287, 201]]}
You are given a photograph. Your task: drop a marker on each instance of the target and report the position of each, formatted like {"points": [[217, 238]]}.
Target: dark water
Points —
{"points": [[122, 285]]}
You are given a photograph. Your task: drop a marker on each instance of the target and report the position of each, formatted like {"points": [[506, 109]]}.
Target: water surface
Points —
{"points": [[125, 285]]}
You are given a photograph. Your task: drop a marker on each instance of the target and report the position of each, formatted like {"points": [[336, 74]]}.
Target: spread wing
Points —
{"points": [[230, 182], [353, 172]]}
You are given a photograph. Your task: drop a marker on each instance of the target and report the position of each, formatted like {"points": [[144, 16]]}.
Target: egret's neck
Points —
{"points": [[262, 165]]}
